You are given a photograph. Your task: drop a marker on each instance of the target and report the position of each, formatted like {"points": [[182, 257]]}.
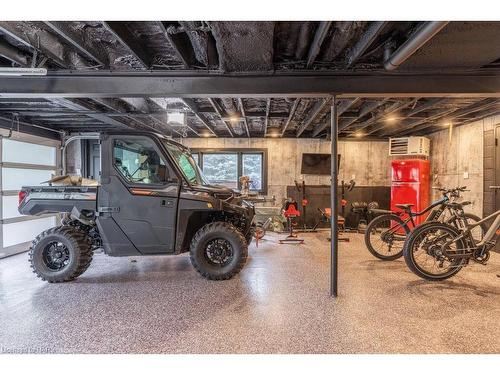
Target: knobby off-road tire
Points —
{"points": [[218, 251], [72, 244], [372, 227]]}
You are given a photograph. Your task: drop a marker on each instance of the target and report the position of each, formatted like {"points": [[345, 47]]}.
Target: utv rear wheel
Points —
{"points": [[218, 251], [60, 254]]}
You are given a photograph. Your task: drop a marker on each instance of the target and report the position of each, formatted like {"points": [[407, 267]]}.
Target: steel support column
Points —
{"points": [[334, 243]]}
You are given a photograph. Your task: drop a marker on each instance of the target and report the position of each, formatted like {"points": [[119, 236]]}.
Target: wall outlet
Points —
{"points": [[466, 175], [353, 177]]}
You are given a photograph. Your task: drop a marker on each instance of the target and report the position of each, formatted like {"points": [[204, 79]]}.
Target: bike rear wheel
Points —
{"points": [[385, 236], [427, 256]]}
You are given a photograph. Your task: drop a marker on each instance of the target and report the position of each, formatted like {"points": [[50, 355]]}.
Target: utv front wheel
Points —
{"points": [[218, 251], [60, 254]]}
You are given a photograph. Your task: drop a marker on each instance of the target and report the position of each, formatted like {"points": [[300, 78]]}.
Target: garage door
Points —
{"points": [[25, 160]]}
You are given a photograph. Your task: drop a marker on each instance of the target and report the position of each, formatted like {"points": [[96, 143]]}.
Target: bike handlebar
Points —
{"points": [[455, 190]]}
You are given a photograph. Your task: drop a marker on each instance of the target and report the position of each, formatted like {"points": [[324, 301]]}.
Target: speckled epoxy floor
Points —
{"points": [[278, 304]]}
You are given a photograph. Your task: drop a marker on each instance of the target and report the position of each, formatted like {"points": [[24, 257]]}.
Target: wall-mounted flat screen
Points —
{"points": [[319, 164]]}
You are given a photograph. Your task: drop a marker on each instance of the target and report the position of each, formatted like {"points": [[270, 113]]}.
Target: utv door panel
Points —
{"points": [[145, 212]]}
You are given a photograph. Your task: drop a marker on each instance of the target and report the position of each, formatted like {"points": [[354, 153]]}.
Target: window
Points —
{"points": [[252, 167], [27, 153], [221, 169], [225, 167], [139, 162]]}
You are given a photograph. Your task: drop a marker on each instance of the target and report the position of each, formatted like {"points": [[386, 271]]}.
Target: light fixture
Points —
{"points": [[23, 72], [391, 119], [176, 118], [359, 134]]}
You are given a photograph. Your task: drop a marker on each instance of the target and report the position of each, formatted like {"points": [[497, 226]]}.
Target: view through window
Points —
{"points": [[225, 168]]}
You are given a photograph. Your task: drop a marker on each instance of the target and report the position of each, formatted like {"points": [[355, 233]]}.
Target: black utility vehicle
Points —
{"points": [[152, 200]]}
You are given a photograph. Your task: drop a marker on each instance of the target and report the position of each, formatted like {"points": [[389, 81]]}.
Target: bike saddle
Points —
{"points": [[406, 206]]}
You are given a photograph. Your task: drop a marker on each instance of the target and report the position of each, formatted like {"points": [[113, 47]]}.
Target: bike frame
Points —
{"points": [[432, 216], [489, 237]]}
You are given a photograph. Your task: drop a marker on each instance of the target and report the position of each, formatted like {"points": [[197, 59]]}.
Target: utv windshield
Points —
{"points": [[187, 164]]}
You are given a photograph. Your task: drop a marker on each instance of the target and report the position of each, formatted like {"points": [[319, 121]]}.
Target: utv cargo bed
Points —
{"points": [[37, 200]]}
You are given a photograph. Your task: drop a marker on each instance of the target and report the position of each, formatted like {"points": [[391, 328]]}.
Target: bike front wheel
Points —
{"points": [[433, 252], [385, 236]]}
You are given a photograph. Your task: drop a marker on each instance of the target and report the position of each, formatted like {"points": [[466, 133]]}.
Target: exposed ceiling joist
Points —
{"points": [[390, 111], [127, 39], [266, 119], [145, 106], [9, 29], [342, 108], [319, 38], [182, 46], [486, 104], [313, 114], [243, 113], [221, 115], [12, 54], [479, 116], [67, 103], [194, 108], [366, 40], [365, 110], [61, 29], [290, 116], [418, 109], [117, 105]]}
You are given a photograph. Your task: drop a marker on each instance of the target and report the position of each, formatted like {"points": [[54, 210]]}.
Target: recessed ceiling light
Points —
{"points": [[359, 134]]}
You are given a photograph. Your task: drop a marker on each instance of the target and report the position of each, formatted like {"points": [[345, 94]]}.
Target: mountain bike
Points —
{"points": [[436, 251], [385, 234]]}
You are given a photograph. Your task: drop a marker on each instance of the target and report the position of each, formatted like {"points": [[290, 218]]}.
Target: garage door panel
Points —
{"points": [[24, 231]]}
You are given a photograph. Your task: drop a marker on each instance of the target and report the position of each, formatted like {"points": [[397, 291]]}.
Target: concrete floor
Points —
{"points": [[278, 304]]}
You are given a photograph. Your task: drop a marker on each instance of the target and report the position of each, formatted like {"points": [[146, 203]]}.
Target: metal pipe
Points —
{"points": [[334, 243], [413, 44], [364, 42]]}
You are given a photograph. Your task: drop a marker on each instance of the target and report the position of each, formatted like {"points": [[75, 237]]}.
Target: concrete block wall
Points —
{"points": [[367, 162], [457, 160]]}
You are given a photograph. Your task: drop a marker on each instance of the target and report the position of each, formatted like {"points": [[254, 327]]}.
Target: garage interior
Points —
{"points": [[251, 98]]}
